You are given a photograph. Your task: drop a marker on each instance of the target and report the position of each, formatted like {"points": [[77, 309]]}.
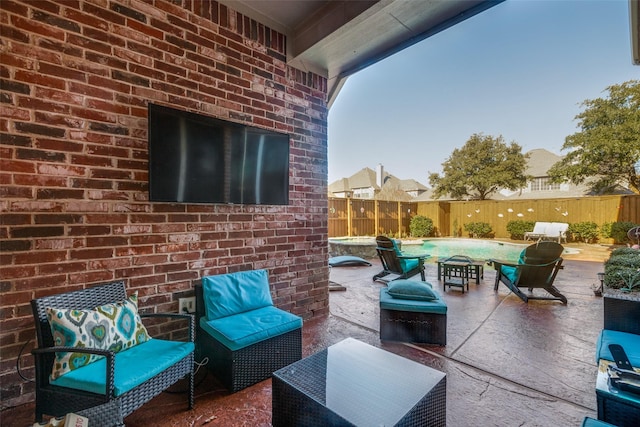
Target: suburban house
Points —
{"points": [[369, 184], [541, 187]]}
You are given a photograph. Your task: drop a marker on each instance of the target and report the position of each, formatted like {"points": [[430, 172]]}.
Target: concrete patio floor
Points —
{"points": [[507, 363]]}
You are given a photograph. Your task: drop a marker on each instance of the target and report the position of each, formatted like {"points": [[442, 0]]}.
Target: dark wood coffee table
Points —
{"points": [[475, 269], [355, 384], [455, 274]]}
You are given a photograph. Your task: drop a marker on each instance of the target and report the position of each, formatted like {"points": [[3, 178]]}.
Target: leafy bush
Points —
{"points": [[617, 230], [479, 229], [518, 227], [624, 256], [421, 226], [622, 269], [586, 231]]}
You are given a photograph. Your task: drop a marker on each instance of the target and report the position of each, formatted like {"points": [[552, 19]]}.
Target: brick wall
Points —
{"points": [[76, 78]]}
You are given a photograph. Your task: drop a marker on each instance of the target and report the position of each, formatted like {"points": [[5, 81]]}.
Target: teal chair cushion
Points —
{"points": [[512, 272], [410, 289], [242, 330], [406, 264], [229, 294], [590, 422], [629, 342], [387, 302], [133, 367]]}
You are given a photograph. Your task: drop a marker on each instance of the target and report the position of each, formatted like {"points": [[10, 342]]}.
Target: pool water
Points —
{"points": [[476, 249]]}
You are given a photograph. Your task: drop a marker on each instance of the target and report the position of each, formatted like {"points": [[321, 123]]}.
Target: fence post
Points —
{"points": [[399, 219], [376, 216], [349, 225]]}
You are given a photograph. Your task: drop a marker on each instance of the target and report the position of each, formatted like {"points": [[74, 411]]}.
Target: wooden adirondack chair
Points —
{"points": [[536, 269], [395, 264]]}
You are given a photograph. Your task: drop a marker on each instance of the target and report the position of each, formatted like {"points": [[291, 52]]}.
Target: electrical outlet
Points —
{"points": [[187, 305]]}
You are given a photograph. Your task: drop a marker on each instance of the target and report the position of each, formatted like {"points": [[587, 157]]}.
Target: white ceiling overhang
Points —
{"points": [[335, 39]]}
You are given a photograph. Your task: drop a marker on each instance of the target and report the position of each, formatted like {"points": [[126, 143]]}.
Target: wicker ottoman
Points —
{"points": [[412, 320]]}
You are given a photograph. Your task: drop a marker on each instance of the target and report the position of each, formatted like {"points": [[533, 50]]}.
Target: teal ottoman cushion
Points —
{"points": [[590, 422], [629, 342], [410, 289], [387, 302]]}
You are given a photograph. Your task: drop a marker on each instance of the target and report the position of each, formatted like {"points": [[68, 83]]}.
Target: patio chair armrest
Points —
{"points": [[546, 264], [38, 353], [496, 263], [67, 349], [419, 257], [175, 316]]}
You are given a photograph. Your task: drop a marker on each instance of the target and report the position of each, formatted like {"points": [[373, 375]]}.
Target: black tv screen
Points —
{"points": [[199, 159]]}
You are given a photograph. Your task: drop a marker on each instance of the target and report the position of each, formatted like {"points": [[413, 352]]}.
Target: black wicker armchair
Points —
{"points": [[106, 408]]}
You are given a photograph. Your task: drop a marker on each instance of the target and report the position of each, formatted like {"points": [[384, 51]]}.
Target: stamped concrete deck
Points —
{"points": [[508, 363]]}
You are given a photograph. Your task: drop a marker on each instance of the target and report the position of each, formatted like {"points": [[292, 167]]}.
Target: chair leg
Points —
{"points": [[379, 275], [556, 293], [191, 388], [519, 293]]}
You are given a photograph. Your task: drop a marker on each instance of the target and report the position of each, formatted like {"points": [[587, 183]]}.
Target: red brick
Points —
{"points": [[76, 83]]}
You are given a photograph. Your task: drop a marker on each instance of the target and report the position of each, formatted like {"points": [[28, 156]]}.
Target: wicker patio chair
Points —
{"points": [[537, 269], [248, 338], [102, 409]]}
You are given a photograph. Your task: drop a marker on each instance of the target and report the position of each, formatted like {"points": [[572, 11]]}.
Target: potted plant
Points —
{"points": [[621, 286]]}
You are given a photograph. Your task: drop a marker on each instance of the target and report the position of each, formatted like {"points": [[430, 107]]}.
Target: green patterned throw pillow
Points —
{"points": [[116, 326]]}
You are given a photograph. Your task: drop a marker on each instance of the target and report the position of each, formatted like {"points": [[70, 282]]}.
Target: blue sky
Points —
{"points": [[519, 69]]}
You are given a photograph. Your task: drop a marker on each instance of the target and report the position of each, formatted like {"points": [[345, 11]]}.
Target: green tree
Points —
{"points": [[606, 151], [484, 165]]}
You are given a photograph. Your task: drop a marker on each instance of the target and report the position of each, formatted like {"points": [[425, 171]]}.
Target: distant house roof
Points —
{"points": [[427, 196], [540, 161], [412, 185], [366, 178], [339, 186]]}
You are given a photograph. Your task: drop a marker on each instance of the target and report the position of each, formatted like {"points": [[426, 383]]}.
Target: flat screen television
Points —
{"points": [[199, 159]]}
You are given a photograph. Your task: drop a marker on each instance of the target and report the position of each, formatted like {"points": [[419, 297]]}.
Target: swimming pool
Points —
{"points": [[365, 247], [474, 248]]}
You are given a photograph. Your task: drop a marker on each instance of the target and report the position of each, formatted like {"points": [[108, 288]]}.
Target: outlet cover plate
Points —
{"points": [[187, 305]]}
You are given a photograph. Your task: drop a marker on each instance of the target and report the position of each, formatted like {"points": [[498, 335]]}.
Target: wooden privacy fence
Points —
{"points": [[363, 217]]}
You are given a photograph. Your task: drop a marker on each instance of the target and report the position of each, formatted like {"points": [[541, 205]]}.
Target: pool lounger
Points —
{"points": [[347, 260]]}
